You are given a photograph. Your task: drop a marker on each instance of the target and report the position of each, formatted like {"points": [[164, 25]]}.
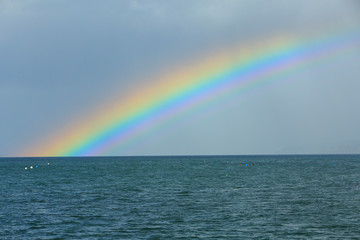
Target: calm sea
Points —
{"points": [[204, 197]]}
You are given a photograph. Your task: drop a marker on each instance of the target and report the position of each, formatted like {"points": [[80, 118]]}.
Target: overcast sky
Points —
{"points": [[59, 59]]}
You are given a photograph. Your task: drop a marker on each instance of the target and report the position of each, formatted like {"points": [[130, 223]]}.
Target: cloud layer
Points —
{"points": [[59, 59]]}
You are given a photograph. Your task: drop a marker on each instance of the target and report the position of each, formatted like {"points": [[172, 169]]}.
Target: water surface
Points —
{"points": [[205, 197]]}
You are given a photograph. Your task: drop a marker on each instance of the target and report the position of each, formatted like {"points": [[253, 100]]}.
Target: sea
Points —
{"points": [[181, 197]]}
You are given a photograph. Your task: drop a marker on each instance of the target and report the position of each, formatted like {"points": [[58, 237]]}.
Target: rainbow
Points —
{"points": [[233, 70]]}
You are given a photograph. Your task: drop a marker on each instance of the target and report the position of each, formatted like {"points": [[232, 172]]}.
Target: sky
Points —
{"points": [[60, 60]]}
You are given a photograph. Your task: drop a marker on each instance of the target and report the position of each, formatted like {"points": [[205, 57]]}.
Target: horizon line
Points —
{"points": [[193, 155]]}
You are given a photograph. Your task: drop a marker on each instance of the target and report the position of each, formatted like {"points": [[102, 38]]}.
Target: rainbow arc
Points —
{"points": [[235, 69]]}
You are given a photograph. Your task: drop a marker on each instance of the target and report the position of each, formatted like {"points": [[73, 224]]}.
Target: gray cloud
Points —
{"points": [[61, 58]]}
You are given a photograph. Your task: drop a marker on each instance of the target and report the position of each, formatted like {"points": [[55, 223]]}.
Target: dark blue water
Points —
{"points": [[223, 197]]}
